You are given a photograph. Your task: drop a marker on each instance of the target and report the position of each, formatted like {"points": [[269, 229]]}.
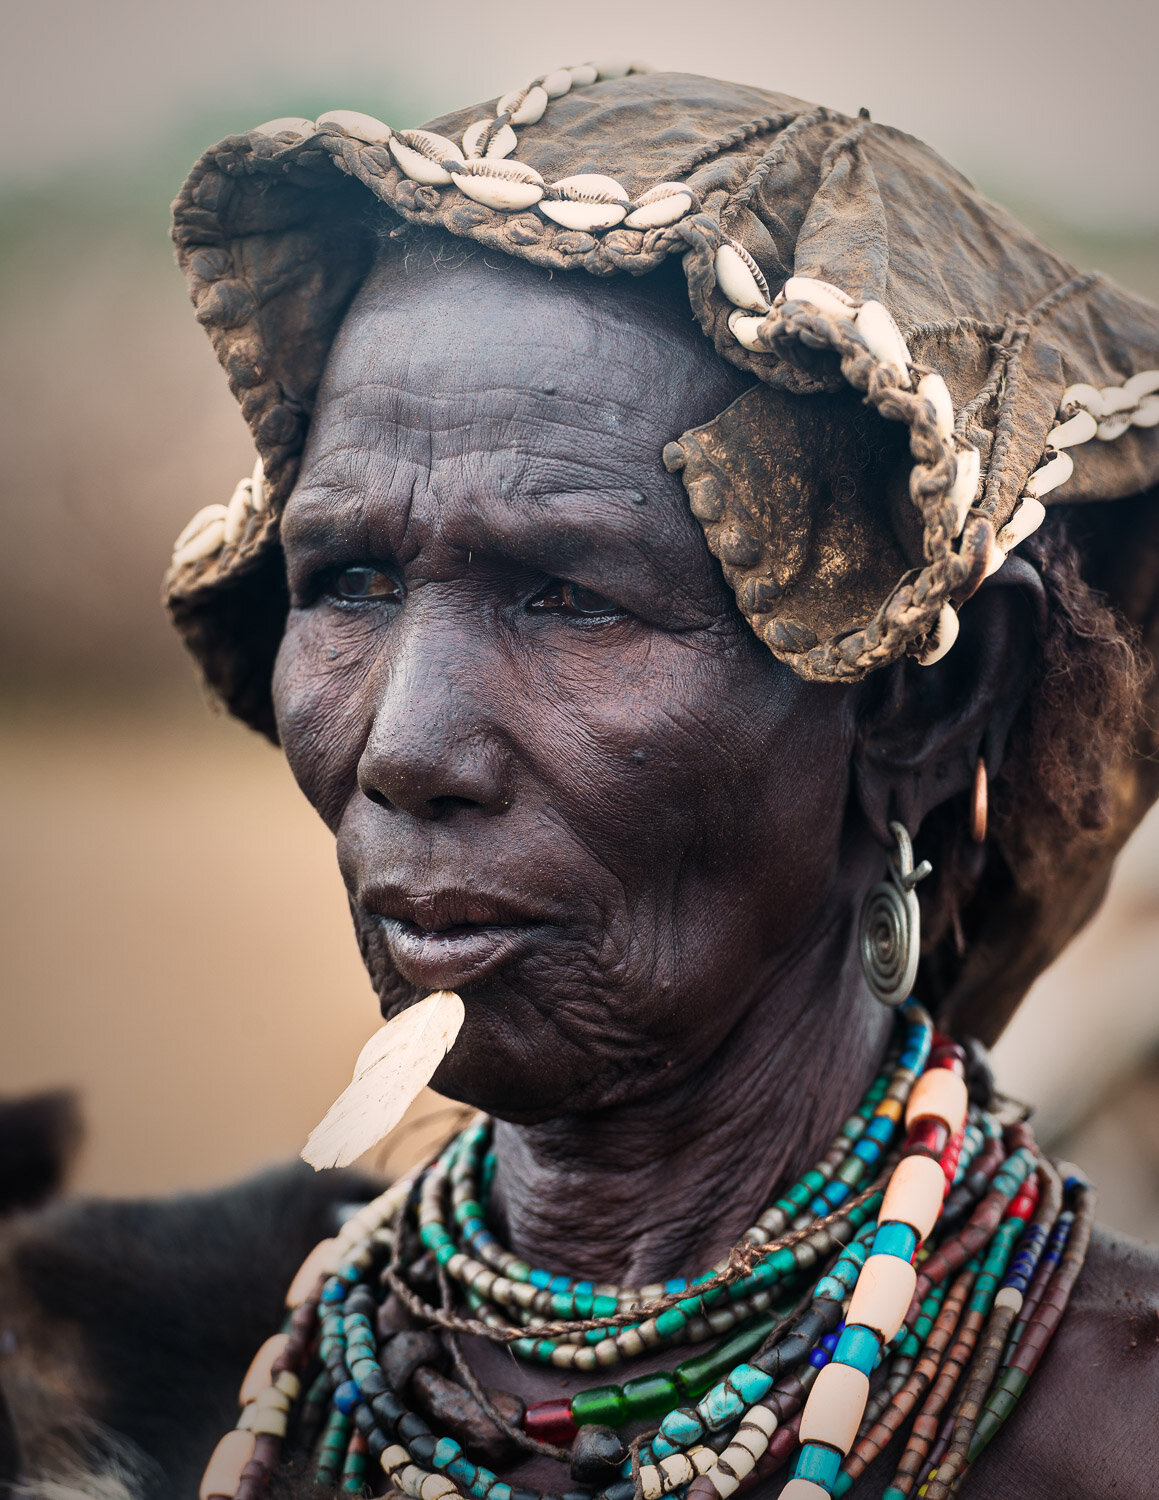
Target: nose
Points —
{"points": [[434, 747]]}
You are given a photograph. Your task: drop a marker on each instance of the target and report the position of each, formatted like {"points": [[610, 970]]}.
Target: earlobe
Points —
{"points": [[923, 728]]}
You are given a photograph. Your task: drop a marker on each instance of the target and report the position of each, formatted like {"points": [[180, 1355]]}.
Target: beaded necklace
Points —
{"points": [[917, 1271]]}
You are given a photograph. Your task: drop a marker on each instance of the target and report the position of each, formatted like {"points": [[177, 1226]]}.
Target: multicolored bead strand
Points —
{"points": [[945, 1258]]}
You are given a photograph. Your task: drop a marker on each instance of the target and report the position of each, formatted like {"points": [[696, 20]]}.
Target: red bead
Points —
{"points": [[1025, 1200], [928, 1135], [550, 1422], [947, 1054]]}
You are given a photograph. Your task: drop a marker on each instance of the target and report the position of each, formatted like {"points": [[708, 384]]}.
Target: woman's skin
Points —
{"points": [[566, 779]]}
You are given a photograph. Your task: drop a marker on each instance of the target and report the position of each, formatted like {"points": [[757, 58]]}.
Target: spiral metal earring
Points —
{"points": [[891, 925]]}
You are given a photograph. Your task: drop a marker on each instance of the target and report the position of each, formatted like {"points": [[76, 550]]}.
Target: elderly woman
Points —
{"points": [[634, 658]]}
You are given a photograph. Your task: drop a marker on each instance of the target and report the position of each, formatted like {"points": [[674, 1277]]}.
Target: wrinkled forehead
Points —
{"points": [[489, 387]]}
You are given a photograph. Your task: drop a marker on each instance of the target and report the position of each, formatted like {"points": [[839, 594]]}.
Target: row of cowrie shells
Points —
{"points": [[1085, 412], [481, 166], [218, 526], [740, 279]]}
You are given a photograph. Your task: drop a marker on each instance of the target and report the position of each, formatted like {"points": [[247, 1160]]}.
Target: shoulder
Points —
{"points": [[125, 1327], [1086, 1426]]}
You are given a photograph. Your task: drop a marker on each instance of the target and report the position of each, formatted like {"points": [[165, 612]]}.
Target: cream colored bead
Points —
{"points": [[223, 1472], [1009, 1296], [803, 1489], [883, 1293], [259, 1375], [914, 1195], [436, 1486], [320, 1262], [630, 1343], [269, 1422], [289, 1384], [393, 1458], [836, 1403], [941, 1094]]}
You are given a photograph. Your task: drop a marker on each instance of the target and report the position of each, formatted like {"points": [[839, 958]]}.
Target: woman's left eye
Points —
{"points": [[365, 583], [574, 599]]}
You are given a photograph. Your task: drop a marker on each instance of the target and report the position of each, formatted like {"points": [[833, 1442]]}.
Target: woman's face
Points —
{"points": [[565, 778]]}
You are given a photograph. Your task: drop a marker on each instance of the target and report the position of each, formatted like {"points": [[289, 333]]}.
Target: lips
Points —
{"points": [[449, 939]]}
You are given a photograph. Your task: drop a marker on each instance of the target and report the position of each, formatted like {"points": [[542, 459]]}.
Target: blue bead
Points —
{"points": [[895, 1239], [867, 1151], [829, 1342], [446, 1451], [347, 1397], [858, 1347], [559, 1285], [541, 1279], [819, 1463], [677, 1284], [750, 1383], [818, 1359], [584, 1288], [836, 1193], [880, 1130], [334, 1290]]}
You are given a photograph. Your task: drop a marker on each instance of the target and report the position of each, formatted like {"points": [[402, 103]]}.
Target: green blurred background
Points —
{"points": [[174, 934]]}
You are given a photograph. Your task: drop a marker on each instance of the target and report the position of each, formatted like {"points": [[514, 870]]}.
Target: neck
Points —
{"points": [[662, 1187]]}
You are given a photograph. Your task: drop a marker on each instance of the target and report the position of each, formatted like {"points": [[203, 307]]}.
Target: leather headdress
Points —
{"points": [[822, 253]]}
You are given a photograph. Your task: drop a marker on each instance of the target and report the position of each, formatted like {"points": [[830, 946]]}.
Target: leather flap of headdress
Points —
{"points": [[803, 500]]}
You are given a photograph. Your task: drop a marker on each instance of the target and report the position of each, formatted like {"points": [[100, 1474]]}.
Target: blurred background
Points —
{"points": [[174, 933]]}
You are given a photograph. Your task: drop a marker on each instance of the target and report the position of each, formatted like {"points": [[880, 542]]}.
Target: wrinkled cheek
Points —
{"points": [[321, 717]]}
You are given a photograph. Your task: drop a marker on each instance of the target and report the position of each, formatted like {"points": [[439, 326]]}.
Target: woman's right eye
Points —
{"points": [[362, 584]]}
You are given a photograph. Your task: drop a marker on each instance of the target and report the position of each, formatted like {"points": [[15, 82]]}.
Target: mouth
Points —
{"points": [[450, 939]]}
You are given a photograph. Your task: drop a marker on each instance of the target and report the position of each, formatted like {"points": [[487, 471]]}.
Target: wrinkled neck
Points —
{"points": [[659, 1188]]}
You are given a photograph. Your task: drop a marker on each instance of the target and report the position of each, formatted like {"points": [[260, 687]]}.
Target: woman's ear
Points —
{"points": [[921, 734]]}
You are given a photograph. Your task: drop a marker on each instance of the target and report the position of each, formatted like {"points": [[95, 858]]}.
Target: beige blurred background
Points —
{"points": [[174, 935]]}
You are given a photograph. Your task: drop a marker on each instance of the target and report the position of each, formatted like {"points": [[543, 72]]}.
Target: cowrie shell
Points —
{"points": [[1084, 396], [421, 153], [204, 544], [1048, 478], [525, 106], [361, 127], [1026, 519], [661, 205], [261, 494], [583, 74], [197, 524], [935, 390], [556, 83], [1079, 429], [499, 184], [740, 278], [828, 299], [1113, 427], [941, 637], [744, 328], [1116, 398], [883, 338], [237, 512], [586, 201], [286, 125], [964, 490], [502, 143], [613, 69], [1146, 383], [1146, 413]]}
